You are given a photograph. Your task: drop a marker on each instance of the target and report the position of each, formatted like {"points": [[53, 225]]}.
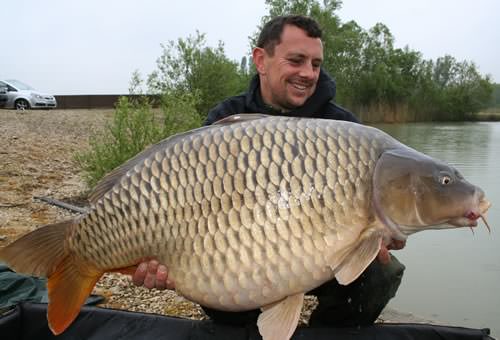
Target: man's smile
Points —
{"points": [[300, 86]]}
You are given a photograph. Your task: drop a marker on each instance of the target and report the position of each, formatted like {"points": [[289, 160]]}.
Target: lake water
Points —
{"points": [[453, 276]]}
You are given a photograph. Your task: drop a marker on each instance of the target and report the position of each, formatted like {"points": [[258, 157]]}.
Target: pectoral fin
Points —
{"points": [[278, 321], [359, 258]]}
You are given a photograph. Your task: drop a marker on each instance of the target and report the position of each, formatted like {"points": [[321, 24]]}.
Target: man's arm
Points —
{"points": [[384, 256], [335, 111], [228, 107], [346, 114]]}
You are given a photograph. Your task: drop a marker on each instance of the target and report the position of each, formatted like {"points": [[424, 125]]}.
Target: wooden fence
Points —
{"points": [[93, 101]]}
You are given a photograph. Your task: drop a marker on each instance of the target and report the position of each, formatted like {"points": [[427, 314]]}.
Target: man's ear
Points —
{"points": [[259, 56]]}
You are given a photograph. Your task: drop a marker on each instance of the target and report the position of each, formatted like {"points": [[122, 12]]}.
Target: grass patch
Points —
{"points": [[135, 126]]}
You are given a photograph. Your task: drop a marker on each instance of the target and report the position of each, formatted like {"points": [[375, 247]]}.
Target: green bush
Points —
{"points": [[135, 126], [189, 65]]}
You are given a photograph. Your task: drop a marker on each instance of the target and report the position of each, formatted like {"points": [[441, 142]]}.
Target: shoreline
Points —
{"points": [[391, 315], [488, 115]]}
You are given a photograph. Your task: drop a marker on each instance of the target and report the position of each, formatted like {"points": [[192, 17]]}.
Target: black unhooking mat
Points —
{"points": [[16, 288], [28, 321]]}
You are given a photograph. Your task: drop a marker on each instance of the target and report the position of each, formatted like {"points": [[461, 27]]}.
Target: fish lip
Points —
{"points": [[470, 217], [484, 205], [463, 222]]}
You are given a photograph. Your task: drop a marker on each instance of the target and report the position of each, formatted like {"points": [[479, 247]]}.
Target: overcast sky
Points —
{"points": [[93, 46]]}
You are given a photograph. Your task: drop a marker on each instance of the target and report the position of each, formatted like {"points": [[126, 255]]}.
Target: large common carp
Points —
{"points": [[253, 211]]}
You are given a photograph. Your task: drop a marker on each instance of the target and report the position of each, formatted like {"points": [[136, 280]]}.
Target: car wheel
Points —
{"points": [[22, 104]]}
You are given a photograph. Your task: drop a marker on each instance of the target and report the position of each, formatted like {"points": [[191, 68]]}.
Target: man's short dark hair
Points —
{"points": [[270, 36]]}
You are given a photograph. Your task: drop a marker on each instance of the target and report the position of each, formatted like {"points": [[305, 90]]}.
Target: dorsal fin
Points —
{"points": [[242, 117], [108, 181]]}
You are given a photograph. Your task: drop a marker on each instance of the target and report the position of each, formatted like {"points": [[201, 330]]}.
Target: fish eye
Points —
{"points": [[445, 179]]}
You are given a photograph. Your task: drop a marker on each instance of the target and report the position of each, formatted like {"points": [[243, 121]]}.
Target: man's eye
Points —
{"points": [[295, 61]]}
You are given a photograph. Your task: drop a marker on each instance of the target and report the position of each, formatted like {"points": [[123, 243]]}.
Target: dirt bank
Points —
{"points": [[37, 160]]}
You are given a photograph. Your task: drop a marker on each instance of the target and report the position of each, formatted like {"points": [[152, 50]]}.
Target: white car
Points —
{"points": [[17, 95]]}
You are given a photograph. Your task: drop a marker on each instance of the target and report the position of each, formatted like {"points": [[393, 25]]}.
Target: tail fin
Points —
{"points": [[70, 280], [39, 252]]}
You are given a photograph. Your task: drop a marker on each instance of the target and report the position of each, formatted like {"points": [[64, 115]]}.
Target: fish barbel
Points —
{"points": [[250, 212]]}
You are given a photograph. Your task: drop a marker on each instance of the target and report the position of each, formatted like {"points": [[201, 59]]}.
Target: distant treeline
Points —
{"points": [[495, 98], [375, 80]]}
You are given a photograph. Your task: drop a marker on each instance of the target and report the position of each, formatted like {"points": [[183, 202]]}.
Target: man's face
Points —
{"points": [[289, 77]]}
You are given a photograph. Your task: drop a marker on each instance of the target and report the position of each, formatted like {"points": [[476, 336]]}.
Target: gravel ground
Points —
{"points": [[36, 159]]}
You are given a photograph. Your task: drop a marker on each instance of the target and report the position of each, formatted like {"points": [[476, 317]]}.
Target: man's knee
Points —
{"points": [[237, 319], [362, 301]]}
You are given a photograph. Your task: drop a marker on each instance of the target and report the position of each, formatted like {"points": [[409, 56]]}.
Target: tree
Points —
{"points": [[188, 65], [461, 89], [495, 98]]}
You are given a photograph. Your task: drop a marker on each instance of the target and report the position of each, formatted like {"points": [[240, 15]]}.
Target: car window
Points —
{"points": [[20, 85], [9, 88]]}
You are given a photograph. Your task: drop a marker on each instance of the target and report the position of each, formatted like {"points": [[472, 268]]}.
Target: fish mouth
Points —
{"points": [[471, 217]]}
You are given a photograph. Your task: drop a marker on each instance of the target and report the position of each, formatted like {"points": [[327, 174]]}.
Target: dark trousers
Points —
{"points": [[357, 304]]}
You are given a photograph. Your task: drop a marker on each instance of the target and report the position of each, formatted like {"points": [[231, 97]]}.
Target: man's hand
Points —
{"points": [[383, 255], [152, 274]]}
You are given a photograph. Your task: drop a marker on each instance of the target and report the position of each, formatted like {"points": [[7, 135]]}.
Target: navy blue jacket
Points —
{"points": [[319, 105]]}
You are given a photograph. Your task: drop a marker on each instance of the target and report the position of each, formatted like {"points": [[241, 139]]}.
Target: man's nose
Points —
{"points": [[307, 71]]}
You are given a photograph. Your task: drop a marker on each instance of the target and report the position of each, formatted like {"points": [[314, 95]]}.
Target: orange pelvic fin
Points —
{"points": [[70, 281]]}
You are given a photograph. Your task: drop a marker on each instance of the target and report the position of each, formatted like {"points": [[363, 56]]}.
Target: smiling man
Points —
{"points": [[291, 82]]}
